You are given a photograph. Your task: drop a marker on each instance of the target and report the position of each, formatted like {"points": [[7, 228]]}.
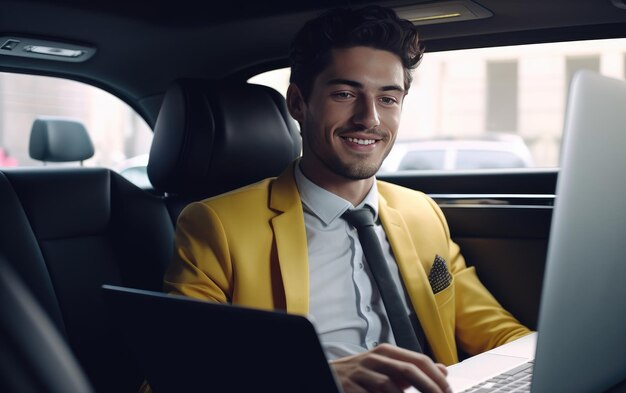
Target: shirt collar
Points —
{"points": [[324, 204]]}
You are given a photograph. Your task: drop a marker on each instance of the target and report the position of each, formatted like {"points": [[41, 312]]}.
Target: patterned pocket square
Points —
{"points": [[439, 276]]}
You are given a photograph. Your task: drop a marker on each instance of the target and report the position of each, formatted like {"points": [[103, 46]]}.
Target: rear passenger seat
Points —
{"points": [[68, 231]]}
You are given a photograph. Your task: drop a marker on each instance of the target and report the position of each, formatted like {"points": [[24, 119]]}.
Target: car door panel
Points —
{"points": [[501, 221]]}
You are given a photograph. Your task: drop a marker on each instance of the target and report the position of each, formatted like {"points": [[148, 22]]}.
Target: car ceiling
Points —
{"points": [[143, 45]]}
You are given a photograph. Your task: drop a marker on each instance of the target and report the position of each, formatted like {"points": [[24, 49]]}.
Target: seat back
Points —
{"points": [[19, 245], [87, 227], [209, 139], [34, 356]]}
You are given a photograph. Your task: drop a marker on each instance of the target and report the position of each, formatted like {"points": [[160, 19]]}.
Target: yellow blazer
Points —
{"points": [[249, 247]]}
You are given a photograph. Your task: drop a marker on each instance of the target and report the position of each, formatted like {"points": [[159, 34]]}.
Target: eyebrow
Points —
{"points": [[360, 85]]}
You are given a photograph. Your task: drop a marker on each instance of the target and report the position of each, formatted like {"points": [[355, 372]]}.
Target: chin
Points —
{"points": [[358, 172]]}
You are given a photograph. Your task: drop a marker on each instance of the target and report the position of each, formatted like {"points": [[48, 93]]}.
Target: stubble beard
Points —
{"points": [[360, 170]]}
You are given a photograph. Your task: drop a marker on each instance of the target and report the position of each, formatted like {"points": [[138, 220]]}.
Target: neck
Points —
{"points": [[352, 190]]}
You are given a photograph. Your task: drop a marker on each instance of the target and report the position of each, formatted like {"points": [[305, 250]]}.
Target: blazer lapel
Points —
{"points": [[291, 243], [414, 277]]}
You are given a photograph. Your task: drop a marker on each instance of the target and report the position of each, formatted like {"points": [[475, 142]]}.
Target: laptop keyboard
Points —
{"points": [[516, 380]]}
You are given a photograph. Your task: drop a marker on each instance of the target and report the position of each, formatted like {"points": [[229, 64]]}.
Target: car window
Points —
{"points": [[117, 132], [491, 107]]}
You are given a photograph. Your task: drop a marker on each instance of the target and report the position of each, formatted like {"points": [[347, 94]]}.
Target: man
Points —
{"points": [[283, 243]]}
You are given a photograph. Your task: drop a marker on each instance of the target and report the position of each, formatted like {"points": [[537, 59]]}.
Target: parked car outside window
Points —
{"points": [[485, 152]]}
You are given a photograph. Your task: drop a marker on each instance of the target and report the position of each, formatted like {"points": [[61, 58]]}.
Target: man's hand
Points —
{"points": [[390, 369]]}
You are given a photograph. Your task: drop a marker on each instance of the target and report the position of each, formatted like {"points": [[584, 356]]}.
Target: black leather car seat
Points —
{"points": [[72, 230], [209, 139], [18, 243], [34, 356]]}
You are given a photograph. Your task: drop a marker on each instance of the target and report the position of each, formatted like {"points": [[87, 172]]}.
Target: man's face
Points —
{"points": [[350, 121]]}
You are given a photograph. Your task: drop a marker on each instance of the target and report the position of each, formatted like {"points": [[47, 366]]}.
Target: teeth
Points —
{"points": [[361, 141]]}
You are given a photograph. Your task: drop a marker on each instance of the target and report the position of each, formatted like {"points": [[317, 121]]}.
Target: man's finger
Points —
{"points": [[443, 369], [406, 374], [374, 381], [434, 372]]}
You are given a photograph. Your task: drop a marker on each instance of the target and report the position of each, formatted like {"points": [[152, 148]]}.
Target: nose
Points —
{"points": [[366, 113]]}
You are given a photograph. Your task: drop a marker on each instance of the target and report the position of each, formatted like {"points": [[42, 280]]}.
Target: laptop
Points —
{"points": [[187, 345], [581, 344]]}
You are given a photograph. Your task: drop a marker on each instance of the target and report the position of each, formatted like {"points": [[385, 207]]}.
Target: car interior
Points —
{"points": [[184, 68]]}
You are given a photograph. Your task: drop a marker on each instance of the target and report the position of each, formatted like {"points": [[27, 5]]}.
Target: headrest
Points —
{"points": [[59, 140], [210, 139]]}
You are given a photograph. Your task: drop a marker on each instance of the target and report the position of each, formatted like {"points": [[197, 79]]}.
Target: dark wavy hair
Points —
{"points": [[373, 26]]}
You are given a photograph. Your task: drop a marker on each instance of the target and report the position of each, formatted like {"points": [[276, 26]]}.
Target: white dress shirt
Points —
{"points": [[345, 306]]}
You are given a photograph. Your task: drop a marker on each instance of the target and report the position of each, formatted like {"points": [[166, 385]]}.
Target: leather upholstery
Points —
{"points": [[209, 139], [34, 356], [59, 140], [72, 230], [19, 245]]}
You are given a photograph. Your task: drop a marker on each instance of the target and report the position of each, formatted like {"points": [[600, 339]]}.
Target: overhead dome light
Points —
{"points": [[443, 11], [43, 49], [48, 50]]}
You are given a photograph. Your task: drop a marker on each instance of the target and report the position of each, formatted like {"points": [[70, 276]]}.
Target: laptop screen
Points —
{"points": [[581, 345]]}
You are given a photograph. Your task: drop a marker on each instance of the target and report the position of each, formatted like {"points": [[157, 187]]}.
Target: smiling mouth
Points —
{"points": [[359, 141]]}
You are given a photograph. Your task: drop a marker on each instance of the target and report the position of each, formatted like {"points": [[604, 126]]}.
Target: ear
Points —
{"points": [[295, 103]]}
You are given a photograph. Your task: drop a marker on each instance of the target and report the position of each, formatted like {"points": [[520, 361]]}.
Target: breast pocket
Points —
{"points": [[445, 304]]}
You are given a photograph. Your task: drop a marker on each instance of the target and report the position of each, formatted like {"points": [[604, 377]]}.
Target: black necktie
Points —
{"points": [[363, 221]]}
